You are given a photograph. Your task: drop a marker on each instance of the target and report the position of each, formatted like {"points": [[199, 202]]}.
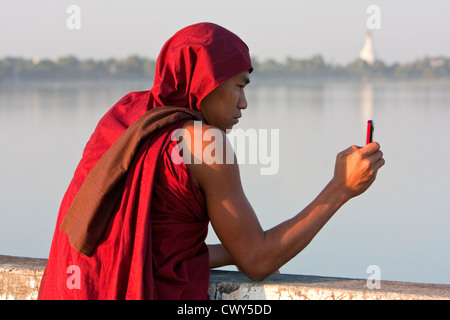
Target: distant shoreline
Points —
{"points": [[69, 69]]}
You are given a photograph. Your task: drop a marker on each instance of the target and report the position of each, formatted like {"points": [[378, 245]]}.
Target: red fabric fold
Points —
{"points": [[98, 196]]}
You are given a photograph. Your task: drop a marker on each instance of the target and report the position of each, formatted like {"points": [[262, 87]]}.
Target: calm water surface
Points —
{"points": [[400, 224]]}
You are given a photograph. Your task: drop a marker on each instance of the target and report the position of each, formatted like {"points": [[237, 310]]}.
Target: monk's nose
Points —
{"points": [[242, 102]]}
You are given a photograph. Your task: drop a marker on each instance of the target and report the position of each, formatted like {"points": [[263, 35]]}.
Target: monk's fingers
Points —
{"points": [[378, 164], [374, 157], [370, 148]]}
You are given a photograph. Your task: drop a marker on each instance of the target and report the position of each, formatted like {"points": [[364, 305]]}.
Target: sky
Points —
{"points": [[274, 29]]}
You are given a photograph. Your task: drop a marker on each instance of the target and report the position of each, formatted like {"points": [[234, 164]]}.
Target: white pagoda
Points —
{"points": [[367, 52]]}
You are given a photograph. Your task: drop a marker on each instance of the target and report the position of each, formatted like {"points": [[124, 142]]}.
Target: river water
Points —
{"points": [[400, 224]]}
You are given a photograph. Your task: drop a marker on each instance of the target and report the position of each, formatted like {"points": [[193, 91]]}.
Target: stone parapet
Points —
{"points": [[20, 278]]}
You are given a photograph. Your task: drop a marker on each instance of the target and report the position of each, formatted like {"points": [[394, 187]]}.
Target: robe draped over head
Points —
{"points": [[132, 224]]}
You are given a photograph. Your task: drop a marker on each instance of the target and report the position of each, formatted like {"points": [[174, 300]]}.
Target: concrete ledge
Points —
{"points": [[20, 278], [226, 285]]}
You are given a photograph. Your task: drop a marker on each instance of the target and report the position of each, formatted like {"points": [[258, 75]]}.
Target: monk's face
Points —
{"points": [[222, 106]]}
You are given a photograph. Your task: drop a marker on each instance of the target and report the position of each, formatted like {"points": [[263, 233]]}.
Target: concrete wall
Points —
{"points": [[20, 278]]}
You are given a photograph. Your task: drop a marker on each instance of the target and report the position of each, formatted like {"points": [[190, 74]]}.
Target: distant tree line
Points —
{"points": [[137, 68], [71, 68], [317, 68]]}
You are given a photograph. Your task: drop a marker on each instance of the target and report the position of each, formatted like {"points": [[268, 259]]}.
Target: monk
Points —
{"points": [[134, 219]]}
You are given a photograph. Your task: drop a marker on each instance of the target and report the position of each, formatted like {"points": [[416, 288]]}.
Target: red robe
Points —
{"points": [[153, 245]]}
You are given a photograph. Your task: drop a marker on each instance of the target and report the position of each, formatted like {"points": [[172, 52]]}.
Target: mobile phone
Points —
{"points": [[370, 128]]}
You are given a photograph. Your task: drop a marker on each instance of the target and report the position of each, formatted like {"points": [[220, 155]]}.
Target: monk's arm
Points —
{"points": [[218, 256], [259, 253]]}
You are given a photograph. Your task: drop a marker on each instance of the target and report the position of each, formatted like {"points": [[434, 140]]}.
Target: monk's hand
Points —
{"points": [[356, 168]]}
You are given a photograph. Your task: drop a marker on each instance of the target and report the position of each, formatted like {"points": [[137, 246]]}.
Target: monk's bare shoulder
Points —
{"points": [[209, 155]]}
